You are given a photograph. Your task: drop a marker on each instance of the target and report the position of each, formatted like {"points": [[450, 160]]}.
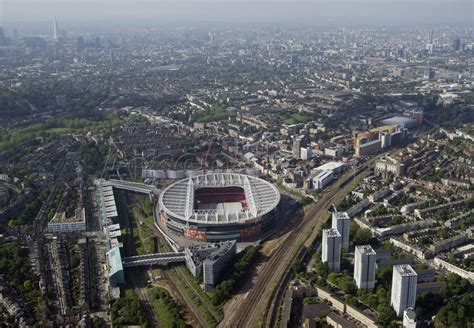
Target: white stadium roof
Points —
{"points": [[177, 200]]}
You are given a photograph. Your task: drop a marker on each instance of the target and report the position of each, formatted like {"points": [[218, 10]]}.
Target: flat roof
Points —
{"points": [[113, 227], [340, 215], [405, 270], [331, 232], [365, 249], [114, 259], [115, 233]]}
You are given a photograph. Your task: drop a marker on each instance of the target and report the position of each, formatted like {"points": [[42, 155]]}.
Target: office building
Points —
{"points": [[429, 73], [298, 143], [55, 30], [457, 44], [306, 153], [214, 266], [404, 280], [341, 222], [331, 249], [364, 267], [368, 148]]}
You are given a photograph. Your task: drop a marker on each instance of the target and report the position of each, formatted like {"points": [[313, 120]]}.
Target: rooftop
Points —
{"points": [[365, 249], [331, 233], [178, 199], [405, 270]]}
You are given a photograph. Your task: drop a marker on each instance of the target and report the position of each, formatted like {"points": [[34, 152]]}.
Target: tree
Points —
{"points": [[322, 269], [333, 278], [384, 276], [386, 315], [362, 237], [298, 266], [27, 284]]}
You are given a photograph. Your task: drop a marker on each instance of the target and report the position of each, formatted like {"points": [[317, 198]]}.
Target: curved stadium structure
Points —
{"points": [[219, 206]]}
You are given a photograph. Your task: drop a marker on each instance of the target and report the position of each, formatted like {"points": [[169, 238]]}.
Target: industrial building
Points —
{"points": [[402, 121], [404, 280], [326, 173], [219, 206], [364, 267], [331, 249]]}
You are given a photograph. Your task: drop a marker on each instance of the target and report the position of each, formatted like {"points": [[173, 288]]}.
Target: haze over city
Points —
{"points": [[317, 12], [233, 163]]}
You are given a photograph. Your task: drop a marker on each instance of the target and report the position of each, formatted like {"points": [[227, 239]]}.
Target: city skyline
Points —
{"points": [[313, 13]]}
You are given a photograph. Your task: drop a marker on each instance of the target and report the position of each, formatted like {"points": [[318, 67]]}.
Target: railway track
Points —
{"points": [[190, 305], [138, 281], [253, 309]]}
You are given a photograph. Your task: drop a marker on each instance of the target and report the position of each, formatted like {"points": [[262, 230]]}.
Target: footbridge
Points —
{"points": [[153, 259], [133, 186]]}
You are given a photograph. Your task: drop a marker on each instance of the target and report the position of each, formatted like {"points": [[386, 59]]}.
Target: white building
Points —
{"points": [[364, 267], [60, 223], [409, 318], [331, 249], [322, 179], [385, 139], [404, 281], [341, 222], [306, 153], [326, 173]]}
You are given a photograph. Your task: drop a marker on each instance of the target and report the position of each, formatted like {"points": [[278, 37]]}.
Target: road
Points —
{"points": [[252, 310]]}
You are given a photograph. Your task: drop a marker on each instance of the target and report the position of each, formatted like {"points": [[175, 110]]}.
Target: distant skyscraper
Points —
{"points": [[429, 73], [404, 281], [295, 59], [364, 267], [331, 249], [2, 37], [80, 44], [55, 30], [341, 222], [457, 44]]}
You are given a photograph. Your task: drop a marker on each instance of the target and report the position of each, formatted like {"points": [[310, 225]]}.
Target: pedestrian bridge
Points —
{"points": [[133, 186], [153, 259]]}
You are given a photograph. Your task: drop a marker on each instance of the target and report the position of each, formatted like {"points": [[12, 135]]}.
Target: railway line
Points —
{"points": [[254, 307]]}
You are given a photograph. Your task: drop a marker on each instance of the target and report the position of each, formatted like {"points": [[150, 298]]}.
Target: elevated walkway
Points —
{"points": [[133, 186], [153, 259]]}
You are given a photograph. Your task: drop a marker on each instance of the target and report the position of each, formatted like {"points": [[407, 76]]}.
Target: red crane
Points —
{"points": [[204, 165]]}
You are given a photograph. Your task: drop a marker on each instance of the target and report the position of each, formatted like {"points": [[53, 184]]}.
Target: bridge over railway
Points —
{"points": [[153, 259], [133, 186]]}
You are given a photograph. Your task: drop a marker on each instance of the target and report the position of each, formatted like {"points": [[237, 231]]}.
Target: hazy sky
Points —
{"points": [[315, 12]]}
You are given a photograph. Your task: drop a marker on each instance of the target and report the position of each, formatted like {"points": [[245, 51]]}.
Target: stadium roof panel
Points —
{"points": [[178, 199]]}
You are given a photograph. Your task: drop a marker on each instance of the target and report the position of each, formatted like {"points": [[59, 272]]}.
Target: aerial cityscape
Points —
{"points": [[289, 168]]}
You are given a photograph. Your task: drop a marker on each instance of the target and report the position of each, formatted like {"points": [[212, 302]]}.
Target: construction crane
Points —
{"points": [[204, 165]]}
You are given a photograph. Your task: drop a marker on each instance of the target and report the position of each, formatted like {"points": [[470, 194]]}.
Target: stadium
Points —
{"points": [[219, 206]]}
